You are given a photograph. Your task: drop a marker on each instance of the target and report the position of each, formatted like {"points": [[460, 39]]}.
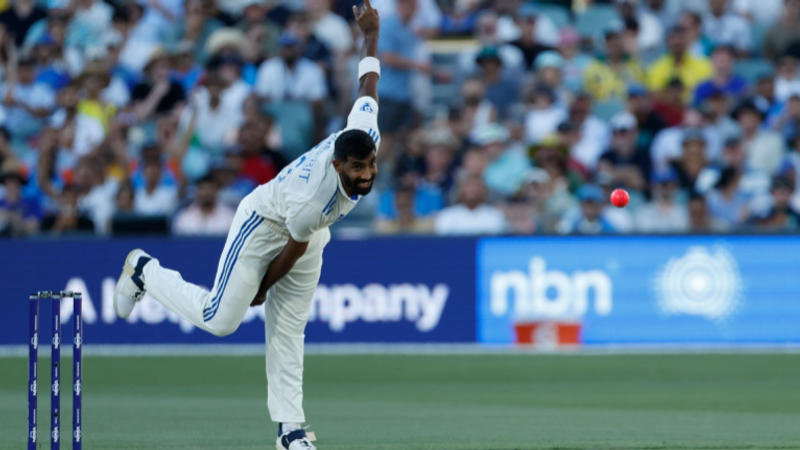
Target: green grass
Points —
{"points": [[501, 401]]}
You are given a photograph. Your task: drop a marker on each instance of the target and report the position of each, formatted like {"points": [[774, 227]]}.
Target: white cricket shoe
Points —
{"points": [[130, 285], [295, 440]]}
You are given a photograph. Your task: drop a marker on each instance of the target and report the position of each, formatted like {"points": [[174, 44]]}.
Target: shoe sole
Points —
{"points": [[127, 270]]}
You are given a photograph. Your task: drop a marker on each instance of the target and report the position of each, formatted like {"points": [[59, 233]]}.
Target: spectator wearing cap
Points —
{"points": [[787, 76], [663, 213], [589, 218], [19, 214], [640, 104], [508, 161], [624, 162], [206, 215], [611, 74], [723, 79], [486, 35], [471, 215], [781, 215], [699, 44], [784, 32], [764, 148], [575, 61], [502, 86], [678, 62], [27, 102], [549, 71], [723, 26], [594, 133], [156, 93], [650, 30], [527, 42], [727, 202]]}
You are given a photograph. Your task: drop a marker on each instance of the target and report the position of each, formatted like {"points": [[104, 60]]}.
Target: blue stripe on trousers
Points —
{"points": [[211, 311], [227, 265]]}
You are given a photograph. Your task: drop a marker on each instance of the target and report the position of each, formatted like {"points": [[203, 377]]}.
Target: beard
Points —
{"points": [[357, 186]]}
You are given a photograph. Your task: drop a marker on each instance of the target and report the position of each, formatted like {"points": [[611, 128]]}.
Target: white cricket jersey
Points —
{"points": [[307, 195]]}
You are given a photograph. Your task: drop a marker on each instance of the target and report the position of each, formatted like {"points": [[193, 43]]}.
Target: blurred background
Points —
{"points": [[498, 117], [137, 121]]}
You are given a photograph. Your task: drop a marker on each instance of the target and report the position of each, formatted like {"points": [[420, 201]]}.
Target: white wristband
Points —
{"points": [[367, 65]]}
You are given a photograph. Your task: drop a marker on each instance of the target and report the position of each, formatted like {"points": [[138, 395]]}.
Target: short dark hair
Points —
{"points": [[353, 143]]}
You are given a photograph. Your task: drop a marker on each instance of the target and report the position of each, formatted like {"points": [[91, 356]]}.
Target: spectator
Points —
{"points": [[764, 148], [784, 32], [699, 44], [397, 47], [508, 163], [329, 27], [26, 101], [543, 116], [575, 61], [787, 78], [723, 79], [502, 86], [663, 214], [471, 215], [781, 214], [649, 123], [678, 62], [625, 164], [195, 28], [156, 197], [549, 72], [692, 160], [256, 164], [486, 35], [528, 211], [610, 76], [589, 219], [651, 31], [594, 133], [20, 17], [716, 110], [669, 104], [407, 218], [206, 215], [527, 42], [787, 123], [68, 218], [727, 202], [19, 214], [700, 220], [461, 20], [124, 199], [723, 26], [477, 111], [157, 93]]}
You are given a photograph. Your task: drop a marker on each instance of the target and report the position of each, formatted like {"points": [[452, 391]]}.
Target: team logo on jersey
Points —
{"points": [[368, 108], [701, 283]]}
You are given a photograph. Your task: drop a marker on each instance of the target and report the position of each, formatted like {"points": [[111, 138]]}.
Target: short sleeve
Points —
{"points": [[364, 116], [302, 220]]}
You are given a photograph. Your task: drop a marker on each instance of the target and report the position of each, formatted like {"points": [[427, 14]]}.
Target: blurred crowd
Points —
{"points": [[497, 116]]}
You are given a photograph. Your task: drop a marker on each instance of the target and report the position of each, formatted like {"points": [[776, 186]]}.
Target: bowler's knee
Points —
{"points": [[222, 329]]}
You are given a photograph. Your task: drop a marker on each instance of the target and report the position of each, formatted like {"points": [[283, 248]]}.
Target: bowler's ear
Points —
{"points": [[337, 165]]}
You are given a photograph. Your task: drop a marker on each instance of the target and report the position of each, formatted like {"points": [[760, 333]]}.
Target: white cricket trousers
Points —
{"points": [[252, 243]]}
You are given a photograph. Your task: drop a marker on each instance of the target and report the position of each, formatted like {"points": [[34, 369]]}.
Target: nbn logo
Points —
{"points": [[550, 294]]}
